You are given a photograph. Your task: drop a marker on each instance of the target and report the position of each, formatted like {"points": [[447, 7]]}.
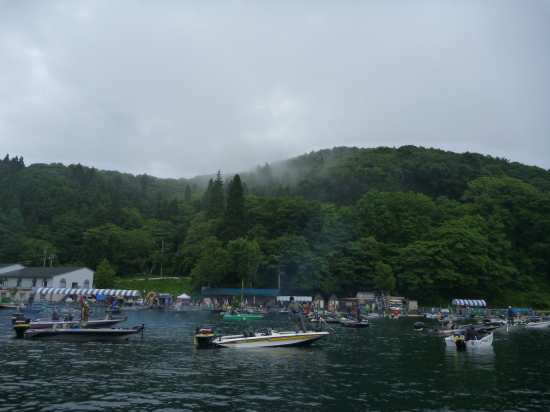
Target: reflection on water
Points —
{"points": [[384, 367], [471, 359]]}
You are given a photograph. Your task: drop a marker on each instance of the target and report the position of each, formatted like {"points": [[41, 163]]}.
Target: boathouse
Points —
{"points": [[19, 282]]}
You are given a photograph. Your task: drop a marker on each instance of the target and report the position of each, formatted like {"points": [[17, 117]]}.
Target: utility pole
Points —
{"points": [[45, 253]]}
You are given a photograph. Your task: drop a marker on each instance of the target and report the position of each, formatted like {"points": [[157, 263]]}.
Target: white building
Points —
{"points": [[19, 282]]}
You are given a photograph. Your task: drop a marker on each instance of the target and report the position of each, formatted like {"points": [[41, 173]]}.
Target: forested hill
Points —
{"points": [[425, 223]]}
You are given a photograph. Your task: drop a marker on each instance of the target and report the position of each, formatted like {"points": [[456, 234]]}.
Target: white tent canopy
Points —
{"points": [[184, 296], [95, 292]]}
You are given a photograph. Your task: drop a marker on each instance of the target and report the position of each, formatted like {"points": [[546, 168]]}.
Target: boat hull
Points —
{"points": [[537, 325], [82, 335], [272, 340], [459, 342]]}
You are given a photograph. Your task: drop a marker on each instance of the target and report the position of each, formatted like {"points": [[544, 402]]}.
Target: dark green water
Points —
{"points": [[387, 367]]}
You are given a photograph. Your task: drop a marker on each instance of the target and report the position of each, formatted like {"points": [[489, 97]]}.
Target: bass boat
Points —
{"points": [[354, 324], [270, 338], [21, 323], [84, 335], [537, 325]]}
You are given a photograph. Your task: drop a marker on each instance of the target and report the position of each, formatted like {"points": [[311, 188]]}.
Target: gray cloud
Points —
{"points": [[181, 88]]}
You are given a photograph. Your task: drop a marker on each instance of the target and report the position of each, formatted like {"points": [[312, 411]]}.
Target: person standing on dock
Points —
{"points": [[511, 315], [296, 310]]}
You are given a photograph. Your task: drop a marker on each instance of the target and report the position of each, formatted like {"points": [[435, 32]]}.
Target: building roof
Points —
{"points": [[7, 265], [237, 292], [47, 272]]}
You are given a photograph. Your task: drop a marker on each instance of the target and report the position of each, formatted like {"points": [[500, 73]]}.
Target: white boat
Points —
{"points": [[458, 340], [84, 335], [268, 339], [538, 325]]}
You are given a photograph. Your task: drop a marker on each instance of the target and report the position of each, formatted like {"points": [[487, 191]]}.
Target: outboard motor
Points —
{"points": [[20, 323], [458, 339], [204, 336]]}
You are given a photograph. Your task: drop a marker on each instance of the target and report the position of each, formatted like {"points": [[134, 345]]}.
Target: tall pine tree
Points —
{"points": [[216, 205], [234, 221]]}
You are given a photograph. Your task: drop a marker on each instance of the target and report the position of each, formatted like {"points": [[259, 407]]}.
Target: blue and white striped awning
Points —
{"points": [[95, 292], [469, 302]]}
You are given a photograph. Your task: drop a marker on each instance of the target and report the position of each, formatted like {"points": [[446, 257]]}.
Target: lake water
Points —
{"points": [[387, 367]]}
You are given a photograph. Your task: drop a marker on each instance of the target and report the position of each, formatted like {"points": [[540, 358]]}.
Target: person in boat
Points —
{"points": [[297, 310], [55, 315], [30, 302], [471, 333], [84, 314]]}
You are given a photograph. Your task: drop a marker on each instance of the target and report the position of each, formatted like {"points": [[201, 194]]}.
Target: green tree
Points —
{"points": [[187, 194], [233, 225], [245, 257], [104, 277], [384, 279], [216, 205], [104, 242], [212, 265], [34, 252]]}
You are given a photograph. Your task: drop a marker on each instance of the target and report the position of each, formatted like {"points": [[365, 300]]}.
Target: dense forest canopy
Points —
{"points": [[425, 223]]}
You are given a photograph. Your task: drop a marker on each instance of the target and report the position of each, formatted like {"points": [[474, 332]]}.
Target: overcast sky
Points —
{"points": [[184, 88]]}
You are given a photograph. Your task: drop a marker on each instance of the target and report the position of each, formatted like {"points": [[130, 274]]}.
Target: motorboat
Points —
{"points": [[458, 339], [90, 323], [255, 311], [331, 320], [8, 306], [354, 324], [21, 323], [499, 321], [422, 327], [84, 334], [538, 325], [270, 338]]}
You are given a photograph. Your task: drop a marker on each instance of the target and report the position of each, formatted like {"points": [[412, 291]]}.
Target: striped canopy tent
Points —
{"points": [[469, 302], [95, 292]]}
